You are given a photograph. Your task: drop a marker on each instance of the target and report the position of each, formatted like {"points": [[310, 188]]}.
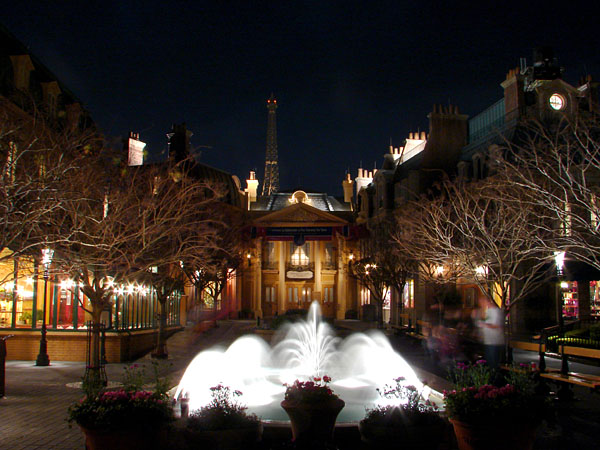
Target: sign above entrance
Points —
{"points": [[299, 234], [293, 231], [294, 275]]}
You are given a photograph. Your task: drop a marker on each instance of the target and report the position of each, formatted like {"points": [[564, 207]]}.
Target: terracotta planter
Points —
{"points": [[494, 436], [411, 436], [313, 422], [227, 439], [146, 438]]}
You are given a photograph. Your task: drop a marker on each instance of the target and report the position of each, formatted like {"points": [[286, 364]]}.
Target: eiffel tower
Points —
{"points": [[271, 182]]}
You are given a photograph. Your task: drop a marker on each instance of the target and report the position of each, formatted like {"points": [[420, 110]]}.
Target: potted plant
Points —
{"points": [[26, 317], [125, 418], [486, 416], [411, 419], [313, 409], [223, 423]]}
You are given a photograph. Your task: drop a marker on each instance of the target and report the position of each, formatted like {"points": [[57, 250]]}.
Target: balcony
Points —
{"points": [[328, 265], [299, 267]]}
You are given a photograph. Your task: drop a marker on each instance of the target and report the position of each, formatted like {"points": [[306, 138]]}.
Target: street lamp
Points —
{"points": [[559, 259], [42, 358]]}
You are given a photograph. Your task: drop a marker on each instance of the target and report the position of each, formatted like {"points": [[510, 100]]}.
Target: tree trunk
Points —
{"points": [[161, 339], [95, 377]]}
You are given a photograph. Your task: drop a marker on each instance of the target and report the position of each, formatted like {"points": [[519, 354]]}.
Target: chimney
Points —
{"points": [[514, 94], [363, 179], [447, 136], [179, 142], [348, 187], [252, 188]]}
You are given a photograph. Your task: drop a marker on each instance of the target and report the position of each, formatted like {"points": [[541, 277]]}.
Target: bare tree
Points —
{"points": [[484, 229], [382, 265], [210, 271], [130, 223], [35, 158], [558, 167]]}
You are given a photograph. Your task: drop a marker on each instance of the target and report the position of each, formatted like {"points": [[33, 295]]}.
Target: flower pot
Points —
{"points": [[146, 438], [494, 436], [411, 436], [313, 422], [226, 439]]}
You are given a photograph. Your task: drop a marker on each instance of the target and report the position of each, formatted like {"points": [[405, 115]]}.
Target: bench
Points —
{"points": [[563, 377], [538, 347]]}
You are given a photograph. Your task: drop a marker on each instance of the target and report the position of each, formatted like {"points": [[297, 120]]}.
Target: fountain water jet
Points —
{"points": [[358, 365]]}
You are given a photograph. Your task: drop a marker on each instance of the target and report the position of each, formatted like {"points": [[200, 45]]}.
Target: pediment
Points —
{"points": [[300, 214]]}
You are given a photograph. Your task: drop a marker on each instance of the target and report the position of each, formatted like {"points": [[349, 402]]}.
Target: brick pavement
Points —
{"points": [[33, 413]]}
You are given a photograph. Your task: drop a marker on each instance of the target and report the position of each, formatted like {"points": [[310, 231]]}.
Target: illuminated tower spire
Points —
{"points": [[271, 181]]}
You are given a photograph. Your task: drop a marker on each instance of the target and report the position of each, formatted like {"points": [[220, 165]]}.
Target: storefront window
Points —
{"points": [[595, 299], [570, 299], [17, 286], [408, 295], [365, 296], [22, 301]]}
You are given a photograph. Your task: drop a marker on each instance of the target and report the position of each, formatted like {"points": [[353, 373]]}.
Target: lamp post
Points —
{"points": [[559, 259], [42, 358]]}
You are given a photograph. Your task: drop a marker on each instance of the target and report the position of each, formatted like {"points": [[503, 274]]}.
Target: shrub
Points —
{"points": [[595, 332], [412, 408], [351, 314], [474, 399], [314, 391], [579, 333], [290, 316], [132, 406], [223, 412]]}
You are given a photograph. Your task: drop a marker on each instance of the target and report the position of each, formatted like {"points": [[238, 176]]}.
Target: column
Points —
{"points": [[281, 292], [257, 294], [318, 284], [341, 282]]}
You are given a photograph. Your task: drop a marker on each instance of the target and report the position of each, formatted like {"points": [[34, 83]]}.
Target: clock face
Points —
{"points": [[557, 102]]}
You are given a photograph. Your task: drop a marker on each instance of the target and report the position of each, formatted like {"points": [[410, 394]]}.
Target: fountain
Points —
{"points": [[358, 366]]}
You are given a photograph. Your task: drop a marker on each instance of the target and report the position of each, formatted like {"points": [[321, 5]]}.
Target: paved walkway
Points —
{"points": [[33, 413]]}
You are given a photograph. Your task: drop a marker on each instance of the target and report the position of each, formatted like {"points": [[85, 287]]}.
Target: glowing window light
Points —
{"points": [[559, 259], [299, 257], [22, 292], [557, 102]]}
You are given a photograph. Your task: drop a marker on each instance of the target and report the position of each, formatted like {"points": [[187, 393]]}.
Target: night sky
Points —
{"points": [[348, 76]]}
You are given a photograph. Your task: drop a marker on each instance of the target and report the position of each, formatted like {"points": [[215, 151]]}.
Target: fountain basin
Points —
{"points": [[359, 365]]}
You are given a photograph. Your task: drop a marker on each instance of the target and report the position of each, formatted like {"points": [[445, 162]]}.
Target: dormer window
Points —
{"points": [[299, 197]]}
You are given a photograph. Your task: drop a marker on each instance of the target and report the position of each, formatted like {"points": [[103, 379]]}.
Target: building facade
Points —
{"points": [[298, 253], [459, 146]]}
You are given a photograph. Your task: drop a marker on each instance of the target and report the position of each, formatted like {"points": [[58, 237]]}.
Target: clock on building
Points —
{"points": [[557, 102]]}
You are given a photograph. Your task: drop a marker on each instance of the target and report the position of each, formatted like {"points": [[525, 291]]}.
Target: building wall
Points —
{"points": [[267, 286], [71, 346]]}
